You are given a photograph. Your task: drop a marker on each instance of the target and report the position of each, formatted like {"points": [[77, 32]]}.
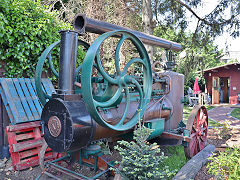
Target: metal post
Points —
{"points": [[67, 63]]}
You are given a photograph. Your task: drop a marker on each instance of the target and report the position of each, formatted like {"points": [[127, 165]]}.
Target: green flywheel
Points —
{"points": [[119, 84], [43, 97]]}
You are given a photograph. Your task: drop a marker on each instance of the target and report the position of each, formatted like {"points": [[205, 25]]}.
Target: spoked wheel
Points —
{"points": [[43, 97], [118, 84], [198, 127]]}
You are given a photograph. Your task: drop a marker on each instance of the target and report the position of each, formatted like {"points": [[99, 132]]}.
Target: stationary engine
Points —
{"points": [[91, 103]]}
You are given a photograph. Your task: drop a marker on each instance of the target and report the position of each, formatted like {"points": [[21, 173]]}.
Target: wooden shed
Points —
{"points": [[223, 83]]}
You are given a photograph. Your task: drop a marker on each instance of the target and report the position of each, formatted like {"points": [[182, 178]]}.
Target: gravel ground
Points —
{"points": [[7, 173]]}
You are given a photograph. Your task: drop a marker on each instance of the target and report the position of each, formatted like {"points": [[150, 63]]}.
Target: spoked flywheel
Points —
{"points": [[118, 84], [43, 97], [198, 127]]}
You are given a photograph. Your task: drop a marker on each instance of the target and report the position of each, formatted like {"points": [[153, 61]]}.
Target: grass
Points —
{"points": [[236, 113], [176, 158], [187, 110], [214, 123], [209, 107]]}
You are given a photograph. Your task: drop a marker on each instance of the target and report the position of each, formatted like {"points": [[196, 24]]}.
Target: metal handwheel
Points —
{"points": [[118, 83], [47, 54]]}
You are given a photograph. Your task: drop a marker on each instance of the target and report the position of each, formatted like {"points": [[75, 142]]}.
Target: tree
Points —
{"points": [[197, 57], [216, 22], [147, 19], [170, 16], [140, 159], [172, 13], [171, 22], [26, 29]]}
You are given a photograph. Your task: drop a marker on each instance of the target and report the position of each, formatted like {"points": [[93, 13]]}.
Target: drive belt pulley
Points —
{"points": [[118, 84]]}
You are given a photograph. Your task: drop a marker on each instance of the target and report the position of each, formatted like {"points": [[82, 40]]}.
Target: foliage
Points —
{"points": [[141, 160], [26, 29], [173, 14], [195, 56], [104, 147], [200, 53], [170, 22], [186, 112], [226, 165], [236, 113], [215, 124], [225, 131], [176, 158], [222, 130], [209, 107]]}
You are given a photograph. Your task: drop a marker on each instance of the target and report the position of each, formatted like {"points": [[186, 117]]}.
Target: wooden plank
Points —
{"points": [[7, 99], [37, 133], [34, 161], [193, 166], [1, 124], [23, 100], [48, 88], [27, 145], [29, 99], [175, 136], [34, 97], [25, 154], [32, 81], [24, 126], [14, 156], [6, 122], [51, 85], [31, 152], [17, 102], [24, 136]]}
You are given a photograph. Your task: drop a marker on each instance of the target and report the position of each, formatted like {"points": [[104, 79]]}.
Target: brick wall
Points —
{"points": [[234, 75]]}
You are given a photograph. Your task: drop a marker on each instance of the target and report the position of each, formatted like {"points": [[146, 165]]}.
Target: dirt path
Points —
{"points": [[222, 114]]}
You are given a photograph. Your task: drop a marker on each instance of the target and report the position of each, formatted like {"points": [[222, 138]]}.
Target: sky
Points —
{"points": [[208, 6]]}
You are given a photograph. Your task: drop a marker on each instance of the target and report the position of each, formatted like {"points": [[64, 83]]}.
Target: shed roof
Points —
{"points": [[225, 65]]}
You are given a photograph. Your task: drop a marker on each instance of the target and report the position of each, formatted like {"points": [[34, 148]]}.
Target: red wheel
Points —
{"points": [[198, 127]]}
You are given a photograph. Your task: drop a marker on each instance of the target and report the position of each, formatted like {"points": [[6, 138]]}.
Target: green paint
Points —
{"points": [[39, 69], [157, 125], [121, 80]]}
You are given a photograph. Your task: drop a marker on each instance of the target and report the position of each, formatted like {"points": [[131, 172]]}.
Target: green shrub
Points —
{"points": [[140, 159], [226, 165], [26, 29]]}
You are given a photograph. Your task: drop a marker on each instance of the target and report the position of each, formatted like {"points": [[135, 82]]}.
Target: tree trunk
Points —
{"points": [[147, 19]]}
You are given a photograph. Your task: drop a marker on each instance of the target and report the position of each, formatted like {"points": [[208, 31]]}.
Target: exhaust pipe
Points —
{"points": [[100, 27]]}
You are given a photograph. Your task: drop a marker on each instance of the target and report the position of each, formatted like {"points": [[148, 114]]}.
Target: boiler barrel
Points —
{"points": [[69, 127]]}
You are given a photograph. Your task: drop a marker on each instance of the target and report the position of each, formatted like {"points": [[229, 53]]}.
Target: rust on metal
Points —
{"points": [[113, 116], [175, 136]]}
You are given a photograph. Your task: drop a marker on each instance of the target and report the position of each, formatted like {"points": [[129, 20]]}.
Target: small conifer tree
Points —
{"points": [[140, 159]]}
